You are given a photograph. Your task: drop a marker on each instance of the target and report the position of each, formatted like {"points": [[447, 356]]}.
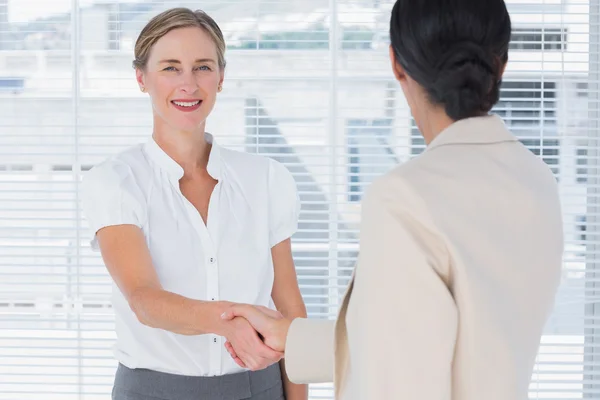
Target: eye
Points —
{"points": [[204, 68], [171, 68]]}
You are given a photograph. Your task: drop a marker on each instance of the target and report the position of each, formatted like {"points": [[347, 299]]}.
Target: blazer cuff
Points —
{"points": [[309, 351]]}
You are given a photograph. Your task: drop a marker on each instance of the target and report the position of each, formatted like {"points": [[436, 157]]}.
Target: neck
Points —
{"points": [[432, 122], [188, 149]]}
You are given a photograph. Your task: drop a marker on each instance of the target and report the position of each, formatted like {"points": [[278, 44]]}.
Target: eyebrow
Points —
{"points": [[200, 60]]}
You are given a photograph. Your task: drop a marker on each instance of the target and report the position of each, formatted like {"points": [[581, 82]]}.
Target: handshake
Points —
{"points": [[256, 335]]}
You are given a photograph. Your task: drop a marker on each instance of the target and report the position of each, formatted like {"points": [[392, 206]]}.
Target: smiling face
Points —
{"points": [[182, 77]]}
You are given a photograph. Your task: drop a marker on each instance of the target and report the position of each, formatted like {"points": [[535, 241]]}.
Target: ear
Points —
{"points": [[139, 77], [399, 72], [222, 78]]}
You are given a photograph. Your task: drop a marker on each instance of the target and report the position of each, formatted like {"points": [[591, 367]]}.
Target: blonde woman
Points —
{"points": [[186, 228]]}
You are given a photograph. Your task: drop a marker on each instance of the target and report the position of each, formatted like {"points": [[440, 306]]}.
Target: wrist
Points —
{"points": [[221, 327], [283, 327]]}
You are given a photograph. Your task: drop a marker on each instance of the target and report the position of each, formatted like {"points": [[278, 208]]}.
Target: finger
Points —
{"points": [[242, 310], [264, 351], [232, 352], [236, 310], [239, 362], [234, 355], [257, 355], [266, 362], [270, 354], [230, 349], [228, 345], [249, 361], [228, 315]]}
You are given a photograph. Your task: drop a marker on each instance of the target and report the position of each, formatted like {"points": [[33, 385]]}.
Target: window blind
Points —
{"points": [[309, 84]]}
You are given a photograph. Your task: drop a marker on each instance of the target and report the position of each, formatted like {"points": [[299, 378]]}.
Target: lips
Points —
{"points": [[186, 105]]}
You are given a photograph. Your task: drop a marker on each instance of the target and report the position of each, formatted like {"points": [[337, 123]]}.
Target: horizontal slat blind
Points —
{"points": [[309, 84]]}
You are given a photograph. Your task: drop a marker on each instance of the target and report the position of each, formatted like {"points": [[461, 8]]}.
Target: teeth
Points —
{"points": [[186, 104]]}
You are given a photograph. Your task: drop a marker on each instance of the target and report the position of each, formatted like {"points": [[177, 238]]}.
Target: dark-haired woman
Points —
{"points": [[461, 247]]}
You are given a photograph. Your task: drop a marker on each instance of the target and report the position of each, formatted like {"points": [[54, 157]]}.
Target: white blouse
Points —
{"points": [[253, 207]]}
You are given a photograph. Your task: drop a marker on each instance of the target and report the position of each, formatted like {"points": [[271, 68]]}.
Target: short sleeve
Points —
{"points": [[284, 203], [110, 196]]}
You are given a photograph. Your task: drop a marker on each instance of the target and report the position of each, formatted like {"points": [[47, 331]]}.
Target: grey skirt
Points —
{"points": [[144, 384]]}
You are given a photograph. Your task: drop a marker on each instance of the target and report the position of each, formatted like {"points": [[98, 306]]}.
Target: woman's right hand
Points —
{"points": [[250, 349]]}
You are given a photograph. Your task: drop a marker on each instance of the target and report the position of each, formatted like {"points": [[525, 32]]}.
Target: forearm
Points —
{"points": [[293, 391], [158, 308]]}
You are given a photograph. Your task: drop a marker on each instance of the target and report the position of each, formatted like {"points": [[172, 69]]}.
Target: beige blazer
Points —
{"points": [[460, 259]]}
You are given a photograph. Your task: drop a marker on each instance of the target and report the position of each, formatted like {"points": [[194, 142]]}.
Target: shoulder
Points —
{"points": [[393, 188], [113, 172], [258, 168], [396, 195], [244, 160]]}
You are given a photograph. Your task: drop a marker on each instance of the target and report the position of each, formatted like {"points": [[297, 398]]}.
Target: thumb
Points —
{"points": [[228, 315], [256, 318], [237, 310]]}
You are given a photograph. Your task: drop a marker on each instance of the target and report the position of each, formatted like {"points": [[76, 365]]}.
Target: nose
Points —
{"points": [[188, 83]]}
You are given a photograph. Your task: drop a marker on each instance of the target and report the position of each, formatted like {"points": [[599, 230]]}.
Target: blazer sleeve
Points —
{"points": [[402, 319], [309, 351]]}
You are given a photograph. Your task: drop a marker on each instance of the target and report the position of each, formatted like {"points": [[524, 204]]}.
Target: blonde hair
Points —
{"points": [[176, 18]]}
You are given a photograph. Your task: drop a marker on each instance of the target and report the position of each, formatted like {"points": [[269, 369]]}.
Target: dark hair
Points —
{"points": [[455, 49]]}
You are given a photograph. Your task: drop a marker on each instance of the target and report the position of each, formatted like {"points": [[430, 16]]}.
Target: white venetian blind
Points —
{"points": [[309, 84]]}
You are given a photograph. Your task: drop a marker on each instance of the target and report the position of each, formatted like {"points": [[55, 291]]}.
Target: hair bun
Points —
{"points": [[466, 81]]}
